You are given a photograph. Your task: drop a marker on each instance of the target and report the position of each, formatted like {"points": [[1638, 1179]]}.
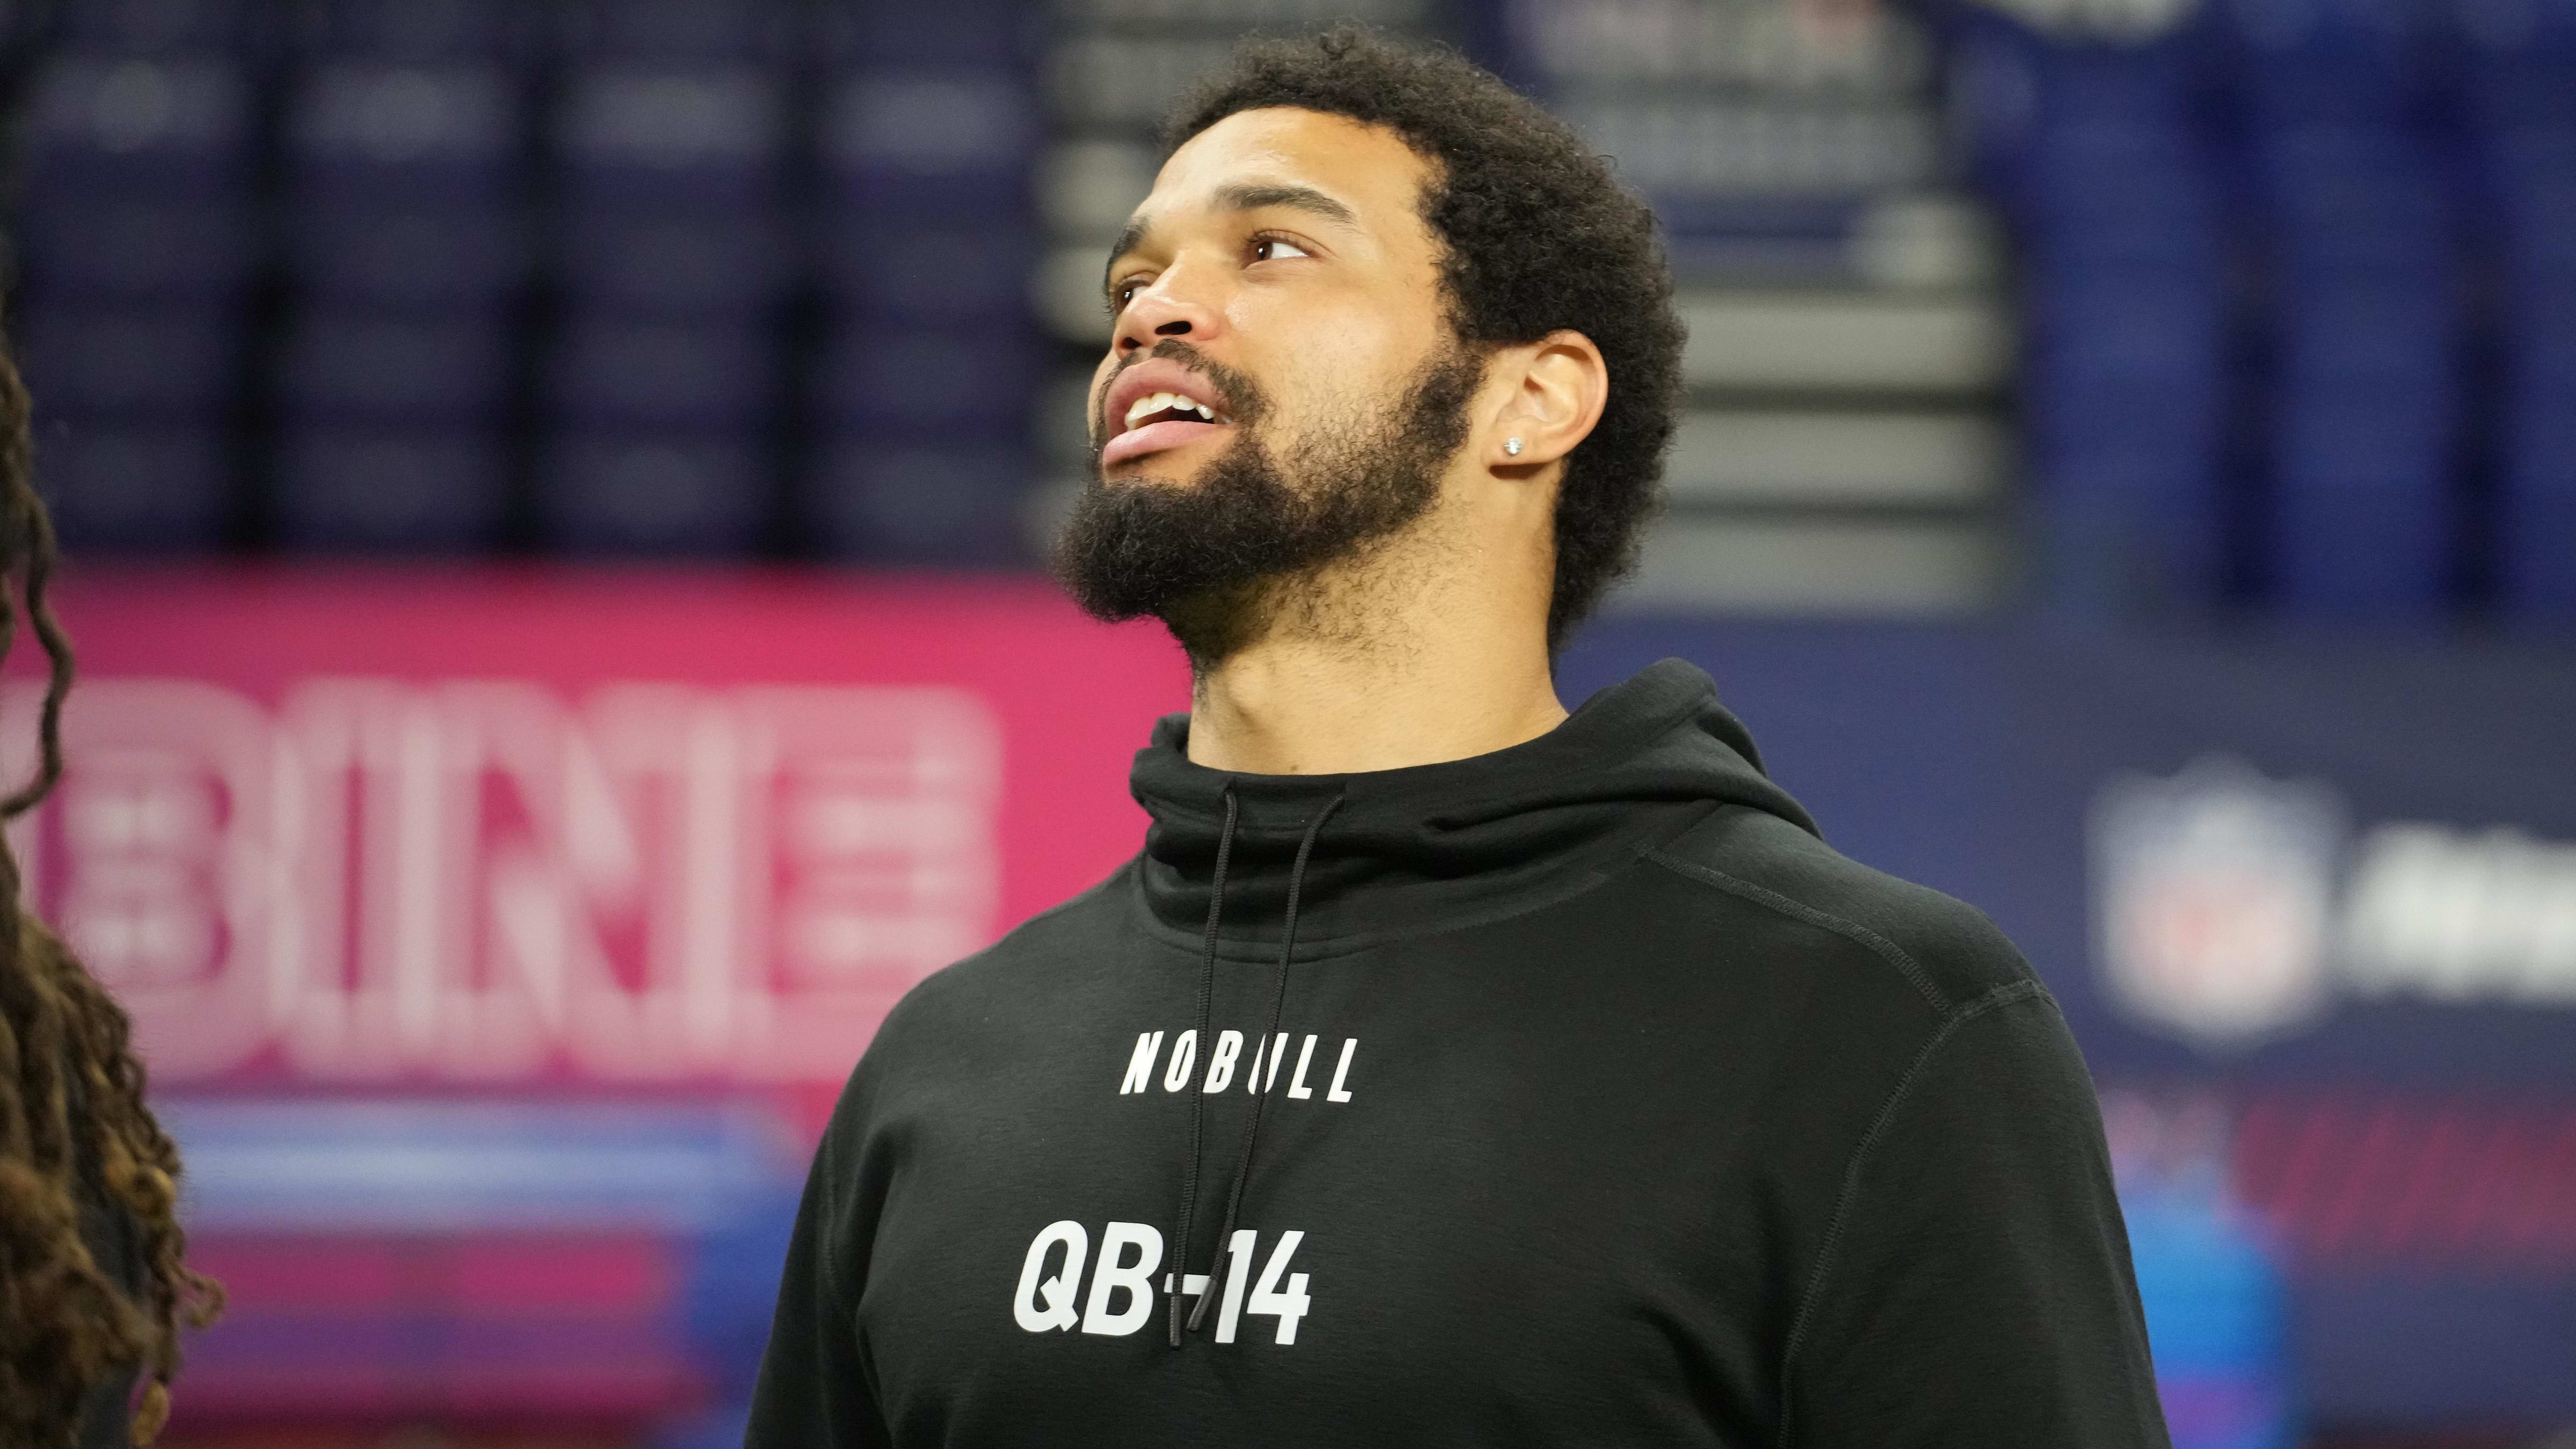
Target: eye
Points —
{"points": [[1276, 248], [1122, 294]]}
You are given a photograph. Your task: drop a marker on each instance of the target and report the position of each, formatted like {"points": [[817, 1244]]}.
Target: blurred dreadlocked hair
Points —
{"points": [[71, 1091]]}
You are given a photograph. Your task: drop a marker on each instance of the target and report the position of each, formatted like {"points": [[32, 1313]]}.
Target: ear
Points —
{"points": [[1551, 395]]}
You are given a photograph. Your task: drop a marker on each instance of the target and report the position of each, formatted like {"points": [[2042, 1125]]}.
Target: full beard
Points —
{"points": [[1219, 560]]}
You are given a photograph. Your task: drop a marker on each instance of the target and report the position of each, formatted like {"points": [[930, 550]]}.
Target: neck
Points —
{"points": [[1378, 666]]}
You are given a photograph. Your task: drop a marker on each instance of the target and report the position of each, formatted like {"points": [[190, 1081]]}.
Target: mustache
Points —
{"points": [[1239, 397]]}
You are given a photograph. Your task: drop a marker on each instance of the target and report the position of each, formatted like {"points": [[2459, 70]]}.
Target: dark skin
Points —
{"points": [[1290, 246]]}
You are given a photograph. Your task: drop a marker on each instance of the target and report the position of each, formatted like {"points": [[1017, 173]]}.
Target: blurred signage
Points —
{"points": [[477, 879], [439, 871], [2231, 907], [2211, 896]]}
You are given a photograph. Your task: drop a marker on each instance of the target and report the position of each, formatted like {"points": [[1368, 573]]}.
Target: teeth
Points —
{"points": [[1146, 407]]}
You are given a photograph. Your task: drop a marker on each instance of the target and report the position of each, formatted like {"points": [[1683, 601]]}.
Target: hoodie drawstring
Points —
{"points": [[1198, 1100], [1269, 1038]]}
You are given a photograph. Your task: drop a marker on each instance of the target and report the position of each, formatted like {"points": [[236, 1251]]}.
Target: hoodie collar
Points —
{"points": [[1435, 846]]}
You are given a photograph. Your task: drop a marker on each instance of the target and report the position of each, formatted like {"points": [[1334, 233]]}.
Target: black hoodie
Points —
{"points": [[1572, 1094]]}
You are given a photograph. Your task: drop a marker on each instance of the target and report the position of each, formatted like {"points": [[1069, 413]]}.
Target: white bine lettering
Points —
{"points": [[463, 880], [1259, 1076], [1122, 1282]]}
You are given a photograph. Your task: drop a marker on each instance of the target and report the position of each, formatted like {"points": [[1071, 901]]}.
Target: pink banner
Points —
{"points": [[368, 828]]}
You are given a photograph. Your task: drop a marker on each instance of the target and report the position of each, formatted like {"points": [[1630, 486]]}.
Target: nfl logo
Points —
{"points": [[2212, 892]]}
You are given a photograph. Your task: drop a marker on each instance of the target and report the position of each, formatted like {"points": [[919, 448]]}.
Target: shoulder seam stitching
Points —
{"points": [[2000, 996], [1879, 945]]}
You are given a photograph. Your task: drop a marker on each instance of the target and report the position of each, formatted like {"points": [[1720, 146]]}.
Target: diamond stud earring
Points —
{"points": [[1512, 446]]}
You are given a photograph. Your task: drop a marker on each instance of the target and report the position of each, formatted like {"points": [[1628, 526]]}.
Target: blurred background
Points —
{"points": [[553, 489]]}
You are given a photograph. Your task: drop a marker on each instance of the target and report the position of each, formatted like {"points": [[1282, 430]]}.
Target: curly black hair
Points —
{"points": [[1536, 234], [74, 1123]]}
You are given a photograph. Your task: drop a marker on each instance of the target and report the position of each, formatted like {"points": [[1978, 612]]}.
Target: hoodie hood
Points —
{"points": [[1433, 847], [1306, 866]]}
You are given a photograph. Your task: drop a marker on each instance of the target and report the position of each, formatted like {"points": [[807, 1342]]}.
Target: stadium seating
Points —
{"points": [[669, 150], [2347, 171], [923, 258], [2520, 82], [140, 155], [408, 260], [2291, 273], [2101, 154]]}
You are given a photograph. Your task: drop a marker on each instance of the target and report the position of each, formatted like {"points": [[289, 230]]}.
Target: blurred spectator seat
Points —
{"points": [[671, 136], [368, 367], [406, 143], [139, 245], [675, 249], [138, 253], [657, 491], [164, 125], [912, 468], [2521, 89], [695, 262], [875, 498], [620, 372], [154, 27], [935, 270], [132, 401], [135, 485], [926, 243], [405, 258], [999, 34], [952, 142], [367, 134], [130, 361], [2092, 139], [380, 487], [391, 437], [2365, 394], [422, 30], [760, 32], [931, 384]]}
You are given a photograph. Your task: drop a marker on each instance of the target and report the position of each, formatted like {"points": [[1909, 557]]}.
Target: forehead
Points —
{"points": [[1369, 168]]}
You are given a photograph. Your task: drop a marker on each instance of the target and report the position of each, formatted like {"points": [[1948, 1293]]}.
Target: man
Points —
{"points": [[1447, 1069]]}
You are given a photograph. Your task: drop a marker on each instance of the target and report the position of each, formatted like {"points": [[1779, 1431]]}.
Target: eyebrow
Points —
{"points": [[1244, 196]]}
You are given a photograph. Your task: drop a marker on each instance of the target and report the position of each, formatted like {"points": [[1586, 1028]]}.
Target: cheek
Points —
{"points": [[1323, 368], [1357, 399], [1335, 329]]}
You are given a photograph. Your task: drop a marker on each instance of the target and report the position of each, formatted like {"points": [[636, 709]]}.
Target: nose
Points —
{"points": [[1161, 311]]}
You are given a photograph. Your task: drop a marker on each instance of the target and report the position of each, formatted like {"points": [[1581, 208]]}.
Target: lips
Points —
{"points": [[1156, 406]]}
